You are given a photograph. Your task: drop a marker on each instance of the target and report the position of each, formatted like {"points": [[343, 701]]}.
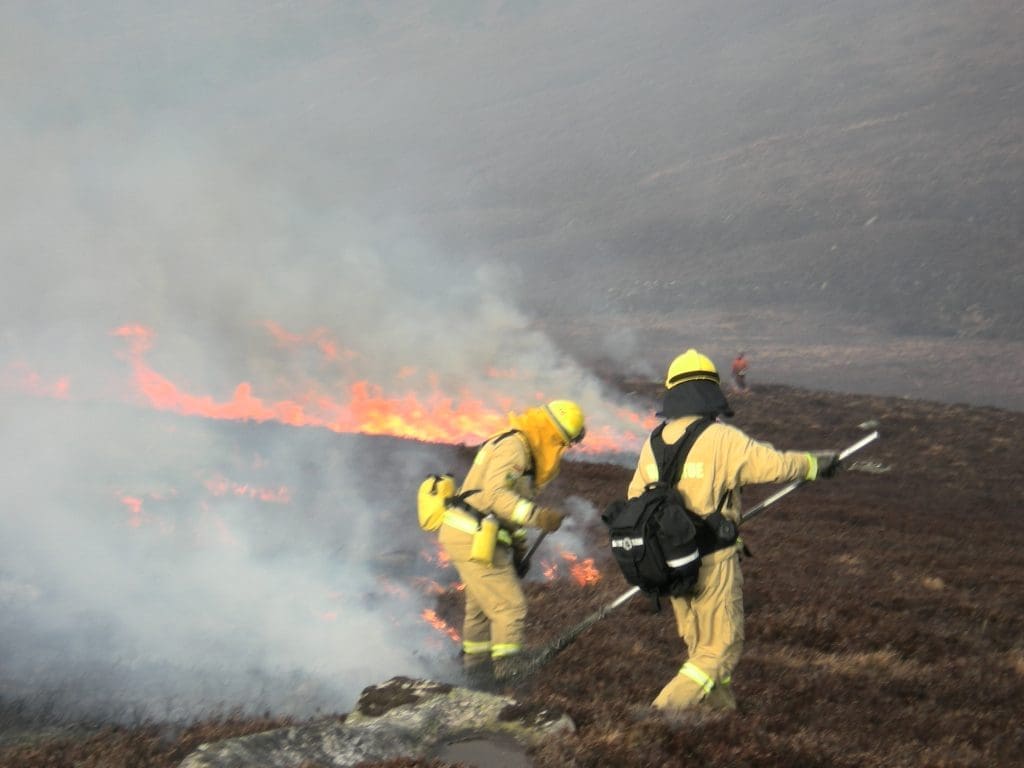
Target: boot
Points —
{"points": [[511, 669], [479, 676]]}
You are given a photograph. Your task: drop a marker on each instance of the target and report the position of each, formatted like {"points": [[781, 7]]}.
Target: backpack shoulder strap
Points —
{"points": [[498, 438], [671, 458], [530, 471]]}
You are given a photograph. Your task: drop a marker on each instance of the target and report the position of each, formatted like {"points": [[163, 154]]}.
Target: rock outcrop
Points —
{"points": [[402, 717]]}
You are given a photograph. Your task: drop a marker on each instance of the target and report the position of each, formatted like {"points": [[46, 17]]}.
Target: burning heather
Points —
{"points": [[365, 407], [173, 553], [839, 627]]}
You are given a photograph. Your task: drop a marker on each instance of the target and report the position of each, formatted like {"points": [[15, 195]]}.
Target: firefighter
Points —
{"points": [[722, 460], [509, 469]]}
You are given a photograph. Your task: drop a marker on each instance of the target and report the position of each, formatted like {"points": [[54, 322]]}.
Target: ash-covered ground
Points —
{"points": [[885, 612]]}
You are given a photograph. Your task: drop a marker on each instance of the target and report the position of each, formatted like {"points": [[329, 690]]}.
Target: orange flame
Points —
{"points": [[221, 486], [367, 409], [583, 572], [440, 624], [19, 377], [429, 586], [134, 504], [318, 337], [440, 558]]}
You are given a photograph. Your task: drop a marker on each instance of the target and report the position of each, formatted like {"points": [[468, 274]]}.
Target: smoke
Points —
{"points": [[156, 567], [160, 231]]}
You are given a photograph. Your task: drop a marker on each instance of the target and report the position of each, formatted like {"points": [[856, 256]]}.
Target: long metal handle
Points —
{"points": [[758, 509], [533, 548], [531, 664]]}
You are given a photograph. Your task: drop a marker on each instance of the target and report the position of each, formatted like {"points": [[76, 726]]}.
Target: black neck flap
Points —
{"points": [[695, 398]]}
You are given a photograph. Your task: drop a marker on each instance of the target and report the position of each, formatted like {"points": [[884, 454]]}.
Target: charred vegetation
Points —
{"points": [[884, 613]]}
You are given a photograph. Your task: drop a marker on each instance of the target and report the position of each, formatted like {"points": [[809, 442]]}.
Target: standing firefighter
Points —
{"points": [[739, 372], [721, 461], [509, 469]]}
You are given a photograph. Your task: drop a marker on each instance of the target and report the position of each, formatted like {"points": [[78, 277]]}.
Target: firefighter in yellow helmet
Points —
{"points": [[508, 471], [722, 460]]}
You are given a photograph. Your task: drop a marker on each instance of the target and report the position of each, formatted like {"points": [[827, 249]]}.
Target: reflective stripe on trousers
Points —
{"points": [[500, 650], [698, 676], [471, 648]]}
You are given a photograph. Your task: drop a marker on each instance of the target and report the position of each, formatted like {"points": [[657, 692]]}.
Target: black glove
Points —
{"points": [[828, 463]]}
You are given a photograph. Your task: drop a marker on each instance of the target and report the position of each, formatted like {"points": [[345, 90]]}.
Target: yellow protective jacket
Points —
{"points": [[502, 474], [722, 459]]}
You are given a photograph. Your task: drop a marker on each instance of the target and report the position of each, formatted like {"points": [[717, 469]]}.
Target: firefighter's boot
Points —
{"points": [[479, 675], [509, 669]]}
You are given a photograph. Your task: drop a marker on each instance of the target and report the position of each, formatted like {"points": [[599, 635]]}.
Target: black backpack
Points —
{"points": [[655, 539]]}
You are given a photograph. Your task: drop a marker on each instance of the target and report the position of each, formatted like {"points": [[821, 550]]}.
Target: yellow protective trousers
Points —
{"points": [[711, 624], [495, 619]]}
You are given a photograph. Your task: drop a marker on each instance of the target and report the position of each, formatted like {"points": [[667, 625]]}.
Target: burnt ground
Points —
{"points": [[885, 614]]}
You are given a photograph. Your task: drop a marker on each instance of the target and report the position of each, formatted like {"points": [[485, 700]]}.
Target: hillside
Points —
{"points": [[794, 179], [885, 613]]}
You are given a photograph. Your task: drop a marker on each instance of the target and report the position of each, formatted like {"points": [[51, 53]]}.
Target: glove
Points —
{"points": [[548, 519], [828, 463]]}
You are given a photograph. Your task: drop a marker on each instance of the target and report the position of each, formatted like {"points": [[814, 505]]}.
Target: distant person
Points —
{"points": [[509, 469], [722, 460], [739, 372]]}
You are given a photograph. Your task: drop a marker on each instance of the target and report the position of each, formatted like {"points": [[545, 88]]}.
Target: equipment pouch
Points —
{"points": [[484, 541]]}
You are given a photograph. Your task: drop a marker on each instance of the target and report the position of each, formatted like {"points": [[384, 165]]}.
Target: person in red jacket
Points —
{"points": [[739, 372]]}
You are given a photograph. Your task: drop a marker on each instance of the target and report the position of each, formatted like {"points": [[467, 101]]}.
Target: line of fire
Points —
{"points": [[364, 408]]}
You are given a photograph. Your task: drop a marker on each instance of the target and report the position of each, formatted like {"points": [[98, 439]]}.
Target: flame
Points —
{"points": [[429, 586], [440, 624], [134, 504], [19, 377], [221, 486], [440, 557], [137, 514], [318, 337], [583, 572], [366, 407]]}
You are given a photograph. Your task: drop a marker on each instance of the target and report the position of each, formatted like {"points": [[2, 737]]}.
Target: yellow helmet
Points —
{"points": [[691, 366], [568, 417]]}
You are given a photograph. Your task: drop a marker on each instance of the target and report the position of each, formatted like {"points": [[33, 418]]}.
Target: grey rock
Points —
{"points": [[401, 717]]}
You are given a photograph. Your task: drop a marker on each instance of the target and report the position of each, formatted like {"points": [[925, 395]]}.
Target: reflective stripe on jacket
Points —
{"points": [[502, 474]]}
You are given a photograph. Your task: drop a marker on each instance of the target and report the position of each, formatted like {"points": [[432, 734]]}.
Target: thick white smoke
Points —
{"points": [[211, 180], [142, 574]]}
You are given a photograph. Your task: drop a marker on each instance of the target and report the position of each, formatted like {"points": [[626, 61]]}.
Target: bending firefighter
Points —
{"points": [[722, 460], [484, 531]]}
